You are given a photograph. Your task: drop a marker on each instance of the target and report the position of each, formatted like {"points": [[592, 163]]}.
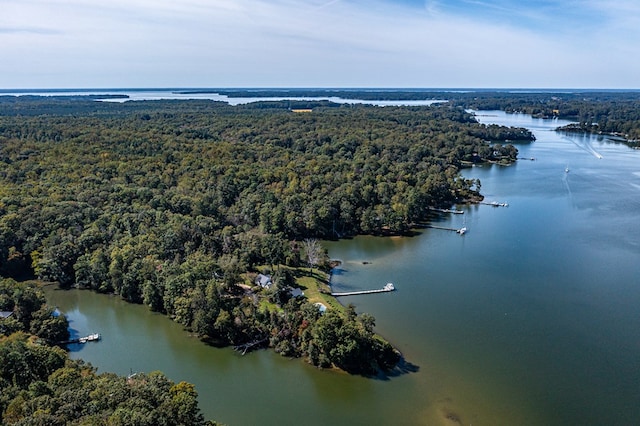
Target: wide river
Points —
{"points": [[530, 318]]}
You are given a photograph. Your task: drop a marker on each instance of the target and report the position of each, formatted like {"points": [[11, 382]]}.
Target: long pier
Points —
{"points": [[387, 288], [460, 231], [494, 204], [454, 211]]}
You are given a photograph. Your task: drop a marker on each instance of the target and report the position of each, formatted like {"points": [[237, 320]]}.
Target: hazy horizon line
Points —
{"points": [[322, 88]]}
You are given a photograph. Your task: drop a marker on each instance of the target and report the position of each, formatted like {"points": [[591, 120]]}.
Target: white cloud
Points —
{"points": [[80, 43]]}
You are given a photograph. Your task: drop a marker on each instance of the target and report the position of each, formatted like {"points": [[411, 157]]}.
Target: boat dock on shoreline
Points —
{"points": [[387, 288], [460, 231], [90, 338], [454, 211], [494, 204]]}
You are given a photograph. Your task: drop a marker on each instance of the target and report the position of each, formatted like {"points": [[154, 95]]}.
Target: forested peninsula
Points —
{"points": [[186, 207], [180, 205], [609, 112]]}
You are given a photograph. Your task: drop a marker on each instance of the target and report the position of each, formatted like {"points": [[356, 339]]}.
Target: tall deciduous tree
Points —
{"points": [[313, 251]]}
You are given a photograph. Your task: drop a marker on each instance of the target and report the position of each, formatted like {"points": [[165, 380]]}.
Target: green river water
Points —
{"points": [[531, 318]]}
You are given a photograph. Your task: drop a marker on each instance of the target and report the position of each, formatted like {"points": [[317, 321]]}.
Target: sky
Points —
{"points": [[320, 43]]}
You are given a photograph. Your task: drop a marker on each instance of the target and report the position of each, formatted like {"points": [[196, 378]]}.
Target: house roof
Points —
{"points": [[5, 314], [321, 306], [263, 280]]}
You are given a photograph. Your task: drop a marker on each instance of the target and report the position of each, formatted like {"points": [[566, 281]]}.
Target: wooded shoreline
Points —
{"points": [[178, 204]]}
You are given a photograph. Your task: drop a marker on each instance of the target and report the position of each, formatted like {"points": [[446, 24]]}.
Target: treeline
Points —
{"points": [[595, 111], [42, 386], [493, 97], [493, 132], [175, 203], [363, 94]]}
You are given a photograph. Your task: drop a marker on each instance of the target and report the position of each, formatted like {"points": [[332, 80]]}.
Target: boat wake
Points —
{"points": [[565, 180], [585, 147]]}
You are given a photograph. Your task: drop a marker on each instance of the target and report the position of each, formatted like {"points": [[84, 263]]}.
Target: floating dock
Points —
{"points": [[387, 288]]}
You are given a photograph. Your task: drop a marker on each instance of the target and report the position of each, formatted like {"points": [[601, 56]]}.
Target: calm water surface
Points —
{"points": [[531, 318], [183, 94]]}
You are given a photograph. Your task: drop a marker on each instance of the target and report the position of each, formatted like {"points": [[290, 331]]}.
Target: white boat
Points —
{"points": [[90, 338], [462, 230]]}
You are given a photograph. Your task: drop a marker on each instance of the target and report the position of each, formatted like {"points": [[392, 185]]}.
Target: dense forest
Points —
{"points": [[42, 386], [180, 204]]}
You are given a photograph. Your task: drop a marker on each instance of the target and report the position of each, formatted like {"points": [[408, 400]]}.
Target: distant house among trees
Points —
{"points": [[296, 292], [321, 307], [5, 314], [264, 281]]}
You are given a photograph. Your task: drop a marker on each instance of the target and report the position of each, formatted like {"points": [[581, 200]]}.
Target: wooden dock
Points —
{"points": [[494, 204], [454, 211], [444, 228], [387, 288], [460, 231]]}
